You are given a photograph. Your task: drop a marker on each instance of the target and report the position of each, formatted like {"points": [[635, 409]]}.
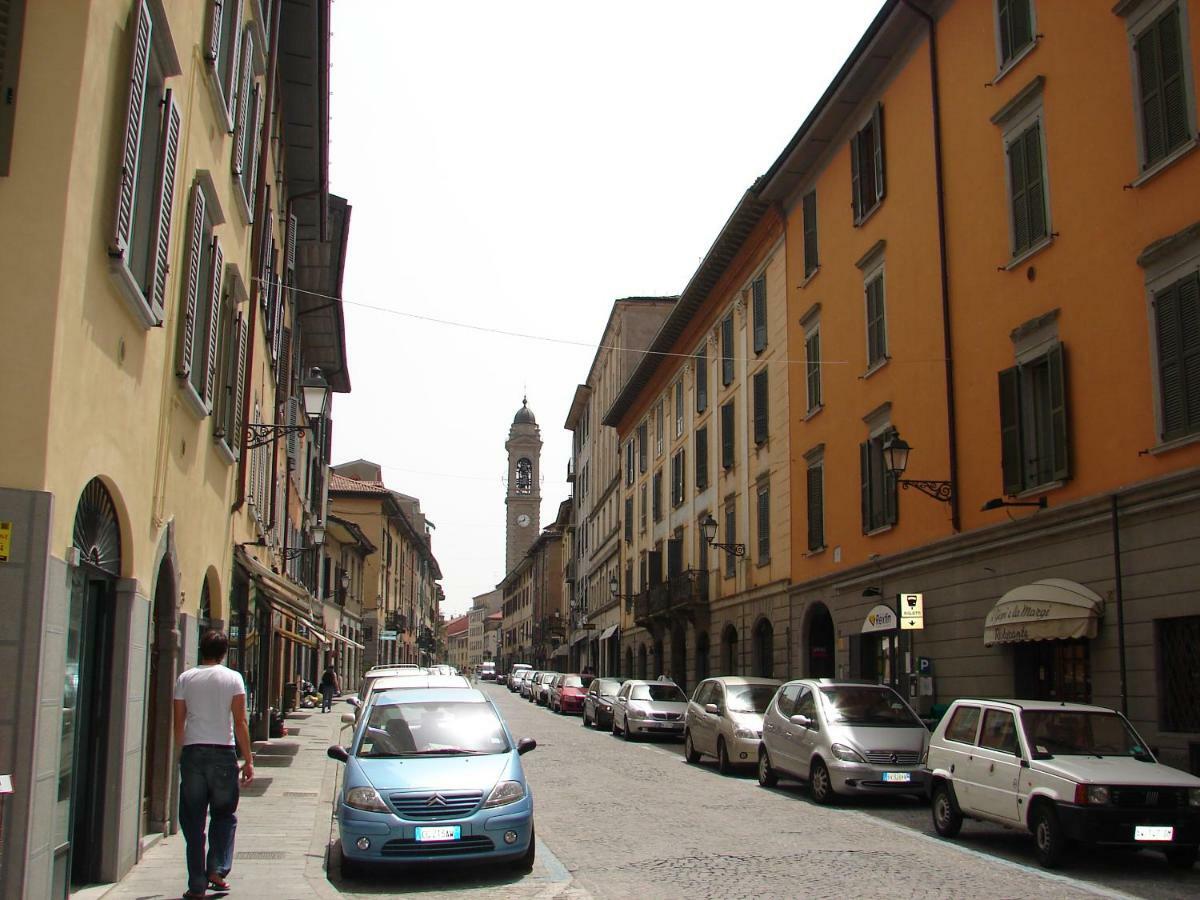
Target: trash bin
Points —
{"points": [[289, 697]]}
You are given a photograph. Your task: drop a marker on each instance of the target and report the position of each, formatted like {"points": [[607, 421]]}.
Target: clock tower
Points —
{"points": [[524, 497]]}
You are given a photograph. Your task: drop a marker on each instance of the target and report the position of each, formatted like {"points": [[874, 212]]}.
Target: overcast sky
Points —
{"points": [[513, 168]]}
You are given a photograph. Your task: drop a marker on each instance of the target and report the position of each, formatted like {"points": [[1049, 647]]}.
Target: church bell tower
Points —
{"points": [[524, 497]]}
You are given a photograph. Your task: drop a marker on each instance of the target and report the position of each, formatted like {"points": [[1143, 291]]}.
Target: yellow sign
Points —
{"points": [[5, 540]]}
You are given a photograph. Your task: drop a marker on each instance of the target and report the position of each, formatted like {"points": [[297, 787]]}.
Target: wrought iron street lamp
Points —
{"points": [[315, 390], [708, 528], [317, 538], [614, 588], [895, 460]]}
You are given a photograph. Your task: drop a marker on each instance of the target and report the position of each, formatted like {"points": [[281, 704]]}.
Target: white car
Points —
{"points": [[1064, 771], [649, 708]]}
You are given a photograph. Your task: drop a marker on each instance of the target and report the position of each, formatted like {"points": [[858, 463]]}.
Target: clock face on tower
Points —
{"points": [[523, 520]]}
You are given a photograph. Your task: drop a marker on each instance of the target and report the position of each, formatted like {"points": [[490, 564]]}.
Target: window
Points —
{"points": [[224, 22], [679, 408], [701, 459], [999, 731], [1027, 187], [812, 259], [629, 520], [785, 703], [1179, 698], [629, 470], [660, 415], [656, 496], [641, 447], [727, 350], [1014, 24], [764, 523], [758, 305], [677, 478], [199, 325], [246, 136], [964, 725], [879, 507], [866, 166], [524, 476], [1176, 311], [727, 435], [1160, 58], [730, 536], [812, 365], [141, 238], [816, 504], [876, 321], [701, 380], [1033, 422], [761, 412], [227, 414], [642, 509], [12, 14]]}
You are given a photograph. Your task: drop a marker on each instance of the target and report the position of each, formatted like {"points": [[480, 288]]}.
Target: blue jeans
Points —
{"points": [[326, 697], [208, 786]]}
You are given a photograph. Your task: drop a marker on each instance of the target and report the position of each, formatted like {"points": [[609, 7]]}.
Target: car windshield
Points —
{"points": [[572, 681], [867, 705], [606, 687], [662, 692], [749, 698], [1051, 732], [434, 728]]}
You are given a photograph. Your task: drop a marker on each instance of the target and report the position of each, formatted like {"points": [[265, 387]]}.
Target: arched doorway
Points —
{"points": [[627, 672], [820, 659], [702, 661], [641, 661], [764, 648], [659, 663], [204, 616], [162, 655], [729, 654], [678, 671], [83, 767]]}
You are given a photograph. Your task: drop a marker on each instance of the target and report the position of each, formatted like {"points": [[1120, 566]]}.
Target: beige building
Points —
{"points": [[456, 642], [483, 606], [160, 229], [593, 557], [346, 550], [535, 610]]}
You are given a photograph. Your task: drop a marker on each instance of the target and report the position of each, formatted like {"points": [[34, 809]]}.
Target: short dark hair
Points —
{"points": [[214, 645]]}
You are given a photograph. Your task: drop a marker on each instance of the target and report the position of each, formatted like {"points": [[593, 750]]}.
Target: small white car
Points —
{"points": [[1064, 771]]}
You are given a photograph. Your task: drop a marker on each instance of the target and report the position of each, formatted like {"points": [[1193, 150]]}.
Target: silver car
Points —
{"points": [[843, 738], [649, 708], [725, 720], [541, 689]]}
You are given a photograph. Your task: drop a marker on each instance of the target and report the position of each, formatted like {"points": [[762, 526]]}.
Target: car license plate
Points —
{"points": [[1153, 833], [439, 833], [897, 776]]}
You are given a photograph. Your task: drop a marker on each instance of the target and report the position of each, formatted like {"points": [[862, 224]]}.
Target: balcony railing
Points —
{"points": [[682, 595], [570, 470]]}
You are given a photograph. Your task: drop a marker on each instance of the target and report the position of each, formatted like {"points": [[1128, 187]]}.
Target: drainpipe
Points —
{"points": [[951, 424], [1116, 539]]}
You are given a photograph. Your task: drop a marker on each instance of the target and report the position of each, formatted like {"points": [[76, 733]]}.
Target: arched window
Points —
{"points": [[764, 649], [204, 613], [729, 641], [524, 476]]}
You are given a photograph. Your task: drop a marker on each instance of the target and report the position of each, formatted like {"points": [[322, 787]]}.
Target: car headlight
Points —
{"points": [[1193, 796], [847, 754], [1098, 794], [503, 793], [604, 705], [366, 798], [637, 714], [747, 734]]}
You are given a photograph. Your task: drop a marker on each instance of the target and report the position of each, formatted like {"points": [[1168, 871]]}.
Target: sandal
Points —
{"points": [[218, 883], [192, 895]]}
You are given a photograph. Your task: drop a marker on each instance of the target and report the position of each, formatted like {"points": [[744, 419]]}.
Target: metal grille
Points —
{"points": [[1150, 798], [469, 844], [667, 716], [1177, 642], [436, 804], [893, 757]]}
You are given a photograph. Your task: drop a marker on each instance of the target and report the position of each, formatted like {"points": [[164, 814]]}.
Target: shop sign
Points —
{"points": [[912, 616], [387, 635], [5, 540], [881, 618]]}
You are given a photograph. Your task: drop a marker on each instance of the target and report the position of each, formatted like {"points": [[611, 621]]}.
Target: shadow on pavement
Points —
{"points": [[419, 878]]}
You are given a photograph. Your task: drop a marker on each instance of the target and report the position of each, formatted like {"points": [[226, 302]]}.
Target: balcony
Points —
{"points": [[683, 596], [652, 605], [571, 577], [571, 471]]}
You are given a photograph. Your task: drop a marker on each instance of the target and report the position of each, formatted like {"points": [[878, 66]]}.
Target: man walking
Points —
{"points": [[329, 687], [210, 713]]}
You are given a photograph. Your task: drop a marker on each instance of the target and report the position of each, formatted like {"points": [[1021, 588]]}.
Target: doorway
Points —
{"points": [[729, 642], [820, 660], [764, 649], [162, 656], [1053, 670], [679, 657]]}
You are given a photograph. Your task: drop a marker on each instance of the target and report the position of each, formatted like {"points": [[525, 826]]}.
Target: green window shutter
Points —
{"points": [[876, 324], [1174, 86], [816, 523], [1035, 189], [1010, 431], [12, 15], [701, 381], [891, 489], [701, 459], [811, 257], [1022, 24], [877, 134], [812, 353], [856, 198], [1177, 323], [758, 289], [191, 287], [727, 435], [156, 287], [727, 351], [761, 400], [1004, 25], [139, 66], [238, 377], [864, 465], [213, 329], [1058, 413], [629, 520], [764, 524], [1017, 170]]}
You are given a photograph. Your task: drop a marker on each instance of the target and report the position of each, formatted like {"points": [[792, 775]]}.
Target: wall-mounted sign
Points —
{"points": [[912, 616], [881, 618], [5, 540], [387, 635]]}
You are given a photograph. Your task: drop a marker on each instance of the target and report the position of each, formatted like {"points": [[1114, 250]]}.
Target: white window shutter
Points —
{"points": [[238, 438], [251, 181], [291, 244], [240, 129], [191, 287], [293, 439], [214, 30], [157, 287], [138, 68], [214, 324]]}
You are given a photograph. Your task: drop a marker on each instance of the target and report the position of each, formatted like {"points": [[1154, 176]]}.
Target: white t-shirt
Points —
{"points": [[208, 692]]}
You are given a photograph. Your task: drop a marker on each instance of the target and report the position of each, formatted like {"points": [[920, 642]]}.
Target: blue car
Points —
{"points": [[433, 775]]}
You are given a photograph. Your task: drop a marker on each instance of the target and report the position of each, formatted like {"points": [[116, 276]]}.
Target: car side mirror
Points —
{"points": [[347, 718], [338, 752], [801, 720], [712, 709], [524, 745]]}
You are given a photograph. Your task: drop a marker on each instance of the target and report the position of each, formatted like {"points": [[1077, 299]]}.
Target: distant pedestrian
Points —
{"points": [[329, 687], [210, 715]]}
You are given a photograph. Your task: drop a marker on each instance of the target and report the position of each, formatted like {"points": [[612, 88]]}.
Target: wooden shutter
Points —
{"points": [[156, 285], [811, 258], [891, 488], [243, 110], [12, 15], [139, 67], [214, 30], [214, 323], [1174, 87], [294, 418], [702, 458], [1035, 191], [812, 352], [276, 316], [727, 350], [1010, 431], [291, 244], [1153, 124], [816, 524], [1177, 323], [701, 381], [629, 520], [191, 286], [1017, 170], [238, 438], [856, 198], [265, 252], [758, 289], [674, 557], [1056, 360], [727, 435], [864, 465], [250, 179], [877, 133], [876, 336], [1004, 25], [761, 426], [764, 523], [656, 499], [654, 570], [1021, 25], [283, 371]]}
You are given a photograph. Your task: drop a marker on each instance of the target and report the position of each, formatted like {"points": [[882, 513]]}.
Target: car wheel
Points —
{"points": [[1181, 857], [615, 730], [689, 749], [525, 863], [820, 783], [584, 720], [724, 766], [947, 820], [625, 730], [348, 867], [766, 775], [1050, 842]]}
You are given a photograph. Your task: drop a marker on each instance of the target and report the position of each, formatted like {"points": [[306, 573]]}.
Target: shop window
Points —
{"points": [[1053, 670], [1179, 686]]}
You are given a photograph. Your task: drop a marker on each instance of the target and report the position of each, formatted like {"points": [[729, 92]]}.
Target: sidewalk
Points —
{"points": [[283, 823]]}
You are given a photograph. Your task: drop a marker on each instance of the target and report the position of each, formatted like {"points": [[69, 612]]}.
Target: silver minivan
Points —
{"points": [[843, 738]]}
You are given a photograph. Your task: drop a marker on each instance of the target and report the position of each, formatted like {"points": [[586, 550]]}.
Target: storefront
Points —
{"points": [[610, 651]]}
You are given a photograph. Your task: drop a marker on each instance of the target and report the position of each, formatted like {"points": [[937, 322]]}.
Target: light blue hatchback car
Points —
{"points": [[434, 775]]}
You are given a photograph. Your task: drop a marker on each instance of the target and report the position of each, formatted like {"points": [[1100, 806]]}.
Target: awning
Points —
{"points": [[608, 632], [881, 618], [346, 640], [581, 636], [1047, 610], [280, 591], [560, 650]]}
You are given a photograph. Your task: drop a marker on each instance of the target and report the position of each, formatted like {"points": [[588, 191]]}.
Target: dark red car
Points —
{"points": [[567, 692]]}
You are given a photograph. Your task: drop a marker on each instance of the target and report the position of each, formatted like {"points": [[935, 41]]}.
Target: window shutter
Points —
{"points": [[294, 415], [157, 286], [1150, 76], [1020, 216], [265, 252], [702, 459], [812, 352], [138, 67], [764, 524], [1021, 26], [276, 317], [214, 324], [727, 435], [810, 233], [243, 123], [1174, 88], [12, 15], [1035, 192], [816, 536], [701, 381], [877, 133], [856, 198], [284, 370], [674, 557], [727, 350], [1010, 430], [291, 244], [214, 30], [629, 520], [864, 461], [1177, 322], [1004, 23], [239, 385], [759, 292], [191, 286], [1058, 413], [891, 489], [251, 179], [760, 407]]}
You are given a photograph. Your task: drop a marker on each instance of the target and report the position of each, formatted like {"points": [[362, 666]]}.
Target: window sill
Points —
{"points": [[1028, 253], [224, 451], [1165, 163], [217, 94], [195, 405], [1039, 489], [866, 216], [882, 529], [809, 277], [132, 294], [815, 551], [812, 413], [875, 367], [243, 205], [762, 563], [1174, 444], [1013, 62]]}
